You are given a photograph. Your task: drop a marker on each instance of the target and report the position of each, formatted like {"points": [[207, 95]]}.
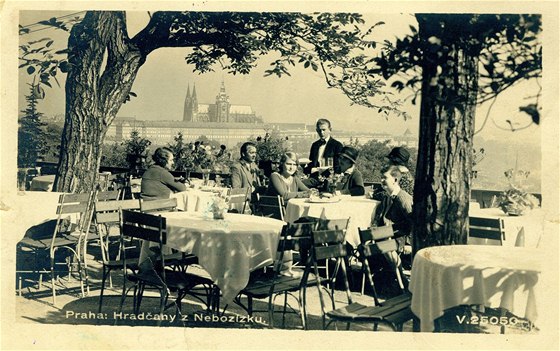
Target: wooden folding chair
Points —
{"points": [[106, 218], [295, 236], [64, 236], [153, 274], [237, 199], [329, 244], [270, 206], [394, 311]]}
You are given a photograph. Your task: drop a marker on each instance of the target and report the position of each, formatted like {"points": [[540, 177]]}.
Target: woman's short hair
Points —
{"points": [[285, 156], [393, 170], [160, 156]]}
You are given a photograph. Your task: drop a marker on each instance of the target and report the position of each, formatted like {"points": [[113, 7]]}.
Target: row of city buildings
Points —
{"points": [[231, 124]]}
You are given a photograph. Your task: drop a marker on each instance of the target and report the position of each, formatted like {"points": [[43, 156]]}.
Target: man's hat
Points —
{"points": [[399, 156], [350, 153]]}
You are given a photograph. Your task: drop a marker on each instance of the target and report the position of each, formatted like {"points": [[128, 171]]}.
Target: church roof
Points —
{"points": [[203, 108], [241, 109]]}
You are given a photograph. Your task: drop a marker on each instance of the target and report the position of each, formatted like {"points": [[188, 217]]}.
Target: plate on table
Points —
{"points": [[209, 189], [323, 200]]}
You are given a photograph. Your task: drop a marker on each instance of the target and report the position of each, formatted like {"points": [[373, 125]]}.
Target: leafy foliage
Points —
{"points": [[114, 155], [507, 46], [136, 148], [372, 159], [31, 133], [200, 155], [271, 146]]}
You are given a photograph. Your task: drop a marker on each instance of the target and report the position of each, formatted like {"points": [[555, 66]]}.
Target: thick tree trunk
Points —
{"points": [[103, 66], [442, 186]]}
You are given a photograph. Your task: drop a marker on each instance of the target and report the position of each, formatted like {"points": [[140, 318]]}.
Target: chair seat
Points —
{"points": [[175, 280], [180, 259], [261, 288], [394, 311], [66, 240], [118, 264]]}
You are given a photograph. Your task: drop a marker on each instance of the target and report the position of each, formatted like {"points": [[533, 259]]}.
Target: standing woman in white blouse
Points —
{"points": [[284, 183]]}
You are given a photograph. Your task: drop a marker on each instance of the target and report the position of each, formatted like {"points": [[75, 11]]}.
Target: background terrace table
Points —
{"points": [[531, 224], [42, 183]]}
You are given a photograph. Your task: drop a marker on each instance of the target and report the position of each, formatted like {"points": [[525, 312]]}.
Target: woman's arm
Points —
{"points": [[356, 188], [300, 185], [168, 179], [281, 188]]}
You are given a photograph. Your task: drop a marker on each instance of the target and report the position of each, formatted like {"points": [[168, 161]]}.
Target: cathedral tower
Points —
{"points": [[222, 105]]}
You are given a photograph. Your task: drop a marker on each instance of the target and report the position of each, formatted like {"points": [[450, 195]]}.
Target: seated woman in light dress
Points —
{"points": [[283, 182], [288, 186]]}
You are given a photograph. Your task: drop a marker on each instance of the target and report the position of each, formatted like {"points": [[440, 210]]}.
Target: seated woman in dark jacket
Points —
{"points": [[351, 182], [157, 181]]}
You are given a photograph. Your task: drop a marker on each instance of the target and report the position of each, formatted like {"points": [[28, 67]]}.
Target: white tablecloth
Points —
{"points": [[197, 200], [228, 249], [530, 224], [360, 210], [42, 183], [447, 276]]}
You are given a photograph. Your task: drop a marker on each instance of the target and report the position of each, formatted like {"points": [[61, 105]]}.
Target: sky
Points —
{"points": [[162, 83]]}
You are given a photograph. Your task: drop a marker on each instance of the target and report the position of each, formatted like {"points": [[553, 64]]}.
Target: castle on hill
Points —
{"points": [[222, 111]]}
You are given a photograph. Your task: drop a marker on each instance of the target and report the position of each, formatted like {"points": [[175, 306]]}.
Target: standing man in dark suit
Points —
{"points": [[324, 148]]}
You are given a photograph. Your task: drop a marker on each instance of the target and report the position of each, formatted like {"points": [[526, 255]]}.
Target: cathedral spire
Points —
{"points": [[194, 92]]}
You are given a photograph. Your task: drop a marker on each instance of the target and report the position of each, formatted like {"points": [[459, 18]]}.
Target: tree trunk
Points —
{"points": [[103, 66], [447, 111]]}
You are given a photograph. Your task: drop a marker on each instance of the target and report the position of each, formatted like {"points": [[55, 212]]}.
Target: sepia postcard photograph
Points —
{"points": [[279, 175]]}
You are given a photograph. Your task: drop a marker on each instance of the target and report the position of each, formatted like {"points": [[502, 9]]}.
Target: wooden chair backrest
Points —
{"points": [[487, 228], [329, 239], [377, 240], [271, 206], [237, 199], [108, 195], [149, 227], [108, 211], [158, 205]]}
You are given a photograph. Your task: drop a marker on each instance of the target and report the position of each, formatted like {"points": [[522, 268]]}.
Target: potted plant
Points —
{"points": [[515, 201]]}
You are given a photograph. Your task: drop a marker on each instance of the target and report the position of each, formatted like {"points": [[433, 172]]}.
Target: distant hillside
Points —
{"points": [[500, 155]]}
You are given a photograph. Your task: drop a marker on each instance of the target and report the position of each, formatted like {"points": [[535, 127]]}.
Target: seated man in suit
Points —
{"points": [[351, 182], [395, 209], [321, 151], [245, 173]]}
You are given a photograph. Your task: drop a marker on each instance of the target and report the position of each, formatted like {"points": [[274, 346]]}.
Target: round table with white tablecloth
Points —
{"points": [[359, 209], [228, 249], [494, 276]]}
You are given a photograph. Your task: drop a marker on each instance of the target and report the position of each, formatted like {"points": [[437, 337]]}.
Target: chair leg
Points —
{"points": [[103, 277], [284, 310], [52, 280]]}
